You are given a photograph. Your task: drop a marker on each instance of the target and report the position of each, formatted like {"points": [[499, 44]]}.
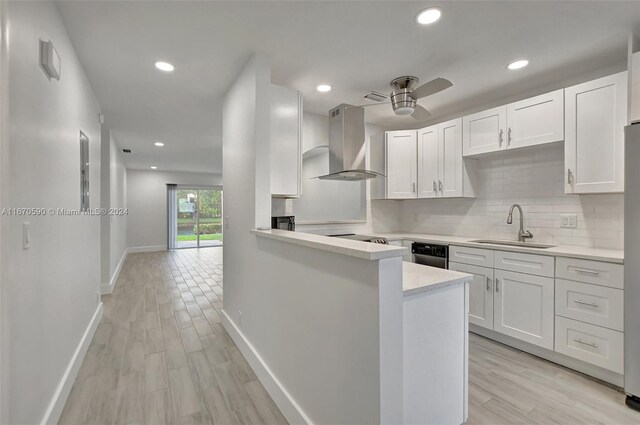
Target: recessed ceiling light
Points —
{"points": [[153, 167], [159, 144], [323, 88], [520, 63], [429, 16], [164, 66]]}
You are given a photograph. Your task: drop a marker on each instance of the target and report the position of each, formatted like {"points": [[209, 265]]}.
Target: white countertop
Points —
{"points": [[597, 254], [417, 278], [359, 249]]}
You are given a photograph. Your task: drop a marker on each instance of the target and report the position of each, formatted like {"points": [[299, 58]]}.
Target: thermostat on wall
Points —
{"points": [[49, 60]]}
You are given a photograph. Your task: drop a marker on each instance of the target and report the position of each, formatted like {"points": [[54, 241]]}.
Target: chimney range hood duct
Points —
{"points": [[346, 145]]}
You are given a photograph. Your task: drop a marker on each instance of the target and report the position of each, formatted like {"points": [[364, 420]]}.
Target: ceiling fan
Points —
{"points": [[404, 97]]}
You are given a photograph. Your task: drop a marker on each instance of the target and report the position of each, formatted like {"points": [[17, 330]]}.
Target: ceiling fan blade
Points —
{"points": [[420, 114], [432, 87]]}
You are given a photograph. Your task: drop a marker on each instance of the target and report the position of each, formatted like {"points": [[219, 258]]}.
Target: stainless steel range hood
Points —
{"points": [[346, 145]]}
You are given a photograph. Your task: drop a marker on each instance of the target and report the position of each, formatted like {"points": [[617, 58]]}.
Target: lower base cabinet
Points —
{"points": [[515, 304], [523, 307], [480, 293], [592, 344]]}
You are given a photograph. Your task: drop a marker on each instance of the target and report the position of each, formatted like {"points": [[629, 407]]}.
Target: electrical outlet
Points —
{"points": [[569, 221]]}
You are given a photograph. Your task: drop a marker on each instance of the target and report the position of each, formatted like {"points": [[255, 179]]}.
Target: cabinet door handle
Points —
{"points": [[440, 185], [500, 138], [590, 344], [488, 283], [569, 176], [594, 305], [509, 137], [413, 187], [593, 272], [435, 186], [497, 285]]}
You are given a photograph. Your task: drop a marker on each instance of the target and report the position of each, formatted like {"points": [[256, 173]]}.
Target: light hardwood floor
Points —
{"points": [[507, 386], [161, 356]]}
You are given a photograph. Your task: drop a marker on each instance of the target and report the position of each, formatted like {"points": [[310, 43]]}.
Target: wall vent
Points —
{"points": [[376, 97]]}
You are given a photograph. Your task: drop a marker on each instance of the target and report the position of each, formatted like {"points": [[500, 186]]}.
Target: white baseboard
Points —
{"points": [[52, 415], [287, 405], [107, 288], [152, 248]]}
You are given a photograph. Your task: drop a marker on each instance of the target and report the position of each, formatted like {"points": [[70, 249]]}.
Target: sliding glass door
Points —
{"points": [[199, 218]]}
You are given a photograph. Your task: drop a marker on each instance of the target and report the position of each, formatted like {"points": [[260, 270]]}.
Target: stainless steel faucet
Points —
{"points": [[522, 234]]}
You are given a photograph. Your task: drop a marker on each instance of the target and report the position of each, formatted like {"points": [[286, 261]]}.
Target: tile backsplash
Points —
{"points": [[533, 178]]}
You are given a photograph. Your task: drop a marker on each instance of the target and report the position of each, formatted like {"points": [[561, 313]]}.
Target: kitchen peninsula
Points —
{"points": [[379, 340]]}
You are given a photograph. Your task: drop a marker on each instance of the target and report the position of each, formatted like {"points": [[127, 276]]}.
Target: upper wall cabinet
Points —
{"points": [[428, 162], [484, 132], [595, 116], [286, 142], [529, 122], [536, 120], [442, 173], [401, 164]]}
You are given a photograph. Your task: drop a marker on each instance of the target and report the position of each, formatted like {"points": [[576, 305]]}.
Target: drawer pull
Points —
{"points": [[593, 272], [594, 305], [590, 344]]}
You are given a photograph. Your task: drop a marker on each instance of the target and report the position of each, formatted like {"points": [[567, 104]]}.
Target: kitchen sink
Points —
{"points": [[510, 243]]}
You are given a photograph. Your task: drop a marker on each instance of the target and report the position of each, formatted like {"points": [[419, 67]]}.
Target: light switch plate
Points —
{"points": [[569, 221]]}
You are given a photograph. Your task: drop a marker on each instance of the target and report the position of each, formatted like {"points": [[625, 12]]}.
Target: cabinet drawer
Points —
{"points": [[597, 305], [592, 344], [539, 265], [596, 272], [473, 256]]}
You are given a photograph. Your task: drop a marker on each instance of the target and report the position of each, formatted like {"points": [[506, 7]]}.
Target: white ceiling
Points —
{"points": [[355, 46]]}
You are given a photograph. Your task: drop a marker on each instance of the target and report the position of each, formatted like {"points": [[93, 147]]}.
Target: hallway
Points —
{"points": [[160, 354]]}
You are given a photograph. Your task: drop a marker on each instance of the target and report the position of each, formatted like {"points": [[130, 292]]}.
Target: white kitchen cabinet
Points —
{"points": [[536, 120], [401, 164], [529, 122], [428, 162], [592, 344], [469, 255], [442, 172], [589, 271], [523, 307], [480, 293], [286, 142], [541, 265], [484, 131], [595, 116], [597, 305]]}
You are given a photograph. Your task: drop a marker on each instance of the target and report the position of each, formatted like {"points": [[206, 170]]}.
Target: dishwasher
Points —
{"points": [[429, 254]]}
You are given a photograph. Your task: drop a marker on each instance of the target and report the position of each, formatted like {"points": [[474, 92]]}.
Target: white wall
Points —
{"points": [[277, 295], [380, 216], [146, 194], [534, 178], [50, 290], [246, 122]]}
